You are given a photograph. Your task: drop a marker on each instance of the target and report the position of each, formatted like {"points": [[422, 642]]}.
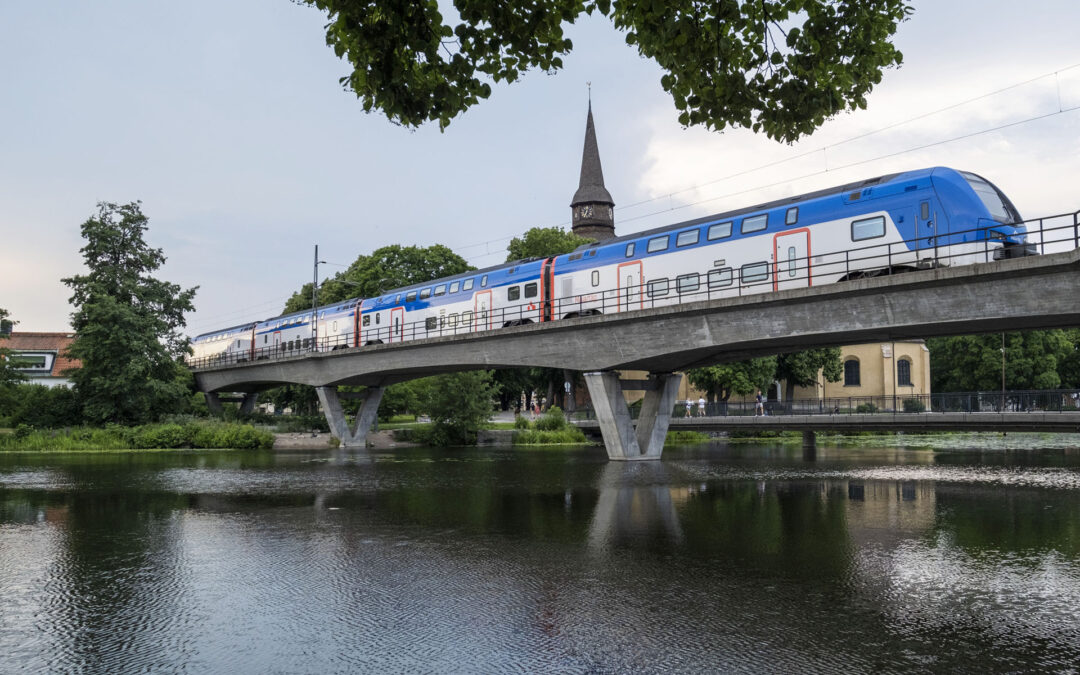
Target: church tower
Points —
{"points": [[592, 209]]}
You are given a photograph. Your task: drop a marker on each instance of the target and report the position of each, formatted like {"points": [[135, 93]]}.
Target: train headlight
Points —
{"points": [[997, 236]]}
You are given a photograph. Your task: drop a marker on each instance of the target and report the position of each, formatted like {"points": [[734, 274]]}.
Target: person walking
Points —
{"points": [[701, 406], [759, 406], [688, 404]]}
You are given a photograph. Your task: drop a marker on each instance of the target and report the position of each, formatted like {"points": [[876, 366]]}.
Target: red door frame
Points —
{"points": [[776, 256], [640, 283], [400, 326], [547, 290]]}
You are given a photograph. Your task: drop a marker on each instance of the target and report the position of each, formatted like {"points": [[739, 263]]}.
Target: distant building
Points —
{"points": [[592, 208], [42, 357]]}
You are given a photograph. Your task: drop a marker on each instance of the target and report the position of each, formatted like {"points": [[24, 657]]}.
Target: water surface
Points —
{"points": [[743, 558]]}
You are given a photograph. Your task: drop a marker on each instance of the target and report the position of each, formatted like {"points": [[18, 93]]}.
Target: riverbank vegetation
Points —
{"points": [[550, 429], [164, 436]]}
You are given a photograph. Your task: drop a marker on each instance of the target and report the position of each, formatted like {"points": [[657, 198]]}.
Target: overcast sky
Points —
{"points": [[227, 121]]}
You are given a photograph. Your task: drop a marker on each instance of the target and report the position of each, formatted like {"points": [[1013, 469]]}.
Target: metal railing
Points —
{"points": [[1056, 400], [1051, 234]]}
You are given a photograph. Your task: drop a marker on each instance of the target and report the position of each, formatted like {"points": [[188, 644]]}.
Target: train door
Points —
{"points": [[277, 342], [547, 290], [482, 310], [791, 261], [397, 324], [926, 233], [630, 286]]}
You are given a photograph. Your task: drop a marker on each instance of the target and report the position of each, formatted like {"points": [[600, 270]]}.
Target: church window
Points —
{"points": [[851, 373], [903, 373]]}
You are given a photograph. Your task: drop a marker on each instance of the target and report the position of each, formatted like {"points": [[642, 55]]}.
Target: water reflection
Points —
{"points": [[717, 559]]}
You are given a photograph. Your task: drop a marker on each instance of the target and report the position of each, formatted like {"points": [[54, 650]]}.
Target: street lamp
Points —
{"points": [[315, 299]]}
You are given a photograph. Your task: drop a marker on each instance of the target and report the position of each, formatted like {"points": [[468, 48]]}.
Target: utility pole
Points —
{"points": [[1003, 372], [314, 299]]}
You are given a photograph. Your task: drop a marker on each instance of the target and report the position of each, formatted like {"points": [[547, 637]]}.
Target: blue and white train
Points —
{"points": [[888, 224]]}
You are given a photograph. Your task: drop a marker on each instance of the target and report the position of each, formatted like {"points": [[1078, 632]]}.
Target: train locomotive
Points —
{"points": [[885, 225]]}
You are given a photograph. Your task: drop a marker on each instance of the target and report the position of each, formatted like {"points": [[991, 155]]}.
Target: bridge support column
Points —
{"points": [[809, 445], [621, 439], [355, 437], [213, 404], [247, 406], [214, 401]]}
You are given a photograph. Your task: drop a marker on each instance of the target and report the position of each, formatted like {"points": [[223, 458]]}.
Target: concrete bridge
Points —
{"points": [[1020, 294]]}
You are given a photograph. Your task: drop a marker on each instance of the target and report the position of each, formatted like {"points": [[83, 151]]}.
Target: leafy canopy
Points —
{"points": [[543, 242], [778, 66], [459, 404], [1042, 359], [8, 375], [386, 268], [127, 323], [800, 369], [741, 378]]}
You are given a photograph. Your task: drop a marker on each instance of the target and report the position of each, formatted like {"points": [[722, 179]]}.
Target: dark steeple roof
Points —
{"points": [[591, 185]]}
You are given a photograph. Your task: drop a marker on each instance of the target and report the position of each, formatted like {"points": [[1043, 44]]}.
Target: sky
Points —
{"points": [[228, 122]]}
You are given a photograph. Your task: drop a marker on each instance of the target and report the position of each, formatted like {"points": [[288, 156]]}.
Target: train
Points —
{"points": [[885, 225]]}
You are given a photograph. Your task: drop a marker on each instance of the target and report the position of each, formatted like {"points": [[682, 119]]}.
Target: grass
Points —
{"points": [[686, 438], [165, 436]]}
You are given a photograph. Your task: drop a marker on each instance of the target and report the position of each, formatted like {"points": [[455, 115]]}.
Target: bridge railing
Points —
{"points": [[1056, 400], [1045, 235]]}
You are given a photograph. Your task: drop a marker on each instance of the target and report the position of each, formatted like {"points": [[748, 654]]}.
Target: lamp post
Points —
{"points": [[1003, 372], [315, 300]]}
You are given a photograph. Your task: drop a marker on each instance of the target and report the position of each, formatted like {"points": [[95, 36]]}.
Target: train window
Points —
{"points": [[366, 321], [592, 252], [924, 210], [754, 272], [719, 230], [454, 286], [793, 265], [868, 228], [658, 244], [792, 216], [687, 238], [687, 283], [720, 278], [334, 326], [425, 294], [378, 318], [467, 286], [574, 256], [442, 320], [452, 320], [657, 288], [397, 300], [755, 223], [530, 290], [466, 318], [630, 249], [431, 323], [513, 292], [265, 338], [483, 281], [512, 270], [440, 289], [411, 296], [596, 277]]}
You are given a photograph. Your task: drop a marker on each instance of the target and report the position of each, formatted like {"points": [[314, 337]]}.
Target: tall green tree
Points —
{"points": [[8, 375], [127, 323], [386, 268], [741, 378], [778, 66], [800, 369], [543, 242], [1041, 359], [459, 404]]}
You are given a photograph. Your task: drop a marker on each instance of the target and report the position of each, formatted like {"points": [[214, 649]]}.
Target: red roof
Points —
{"points": [[44, 342]]}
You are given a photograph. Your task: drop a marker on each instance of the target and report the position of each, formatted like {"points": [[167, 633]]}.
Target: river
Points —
{"points": [[742, 558]]}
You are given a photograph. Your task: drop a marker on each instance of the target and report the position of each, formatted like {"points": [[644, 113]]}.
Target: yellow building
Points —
{"points": [[877, 369]]}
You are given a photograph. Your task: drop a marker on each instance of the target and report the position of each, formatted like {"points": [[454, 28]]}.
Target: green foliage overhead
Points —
{"points": [[543, 242], [8, 374], [459, 404], [778, 66], [127, 323], [800, 369], [1043, 359], [386, 268], [742, 378]]}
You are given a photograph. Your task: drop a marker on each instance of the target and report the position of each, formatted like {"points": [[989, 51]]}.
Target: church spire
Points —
{"points": [[592, 206]]}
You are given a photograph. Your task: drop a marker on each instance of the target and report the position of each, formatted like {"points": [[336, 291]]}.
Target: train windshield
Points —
{"points": [[1000, 208]]}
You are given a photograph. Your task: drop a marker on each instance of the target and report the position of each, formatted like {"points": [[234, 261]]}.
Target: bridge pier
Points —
{"points": [[622, 439], [355, 437], [809, 445], [214, 401]]}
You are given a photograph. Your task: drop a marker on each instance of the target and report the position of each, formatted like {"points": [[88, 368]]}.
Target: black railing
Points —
{"points": [[1045, 235], [1056, 400]]}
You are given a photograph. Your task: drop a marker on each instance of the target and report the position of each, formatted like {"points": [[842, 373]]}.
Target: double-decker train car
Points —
{"points": [[888, 224]]}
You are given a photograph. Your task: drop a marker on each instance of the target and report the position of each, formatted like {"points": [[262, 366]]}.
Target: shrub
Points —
{"points": [[553, 420], [566, 436], [914, 405], [866, 408], [521, 422]]}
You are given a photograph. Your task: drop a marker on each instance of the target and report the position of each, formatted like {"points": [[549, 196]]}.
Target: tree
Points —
{"points": [[459, 404], [543, 242], [778, 66], [386, 268], [1041, 359], [8, 375], [742, 378], [800, 369], [127, 323]]}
